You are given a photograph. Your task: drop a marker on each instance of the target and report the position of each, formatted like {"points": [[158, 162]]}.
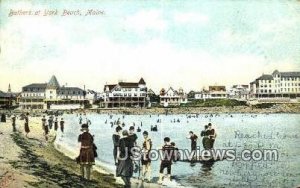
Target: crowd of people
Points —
{"points": [[125, 142]]}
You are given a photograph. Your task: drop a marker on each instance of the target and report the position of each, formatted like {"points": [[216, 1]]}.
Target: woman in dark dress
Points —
{"points": [[46, 129], [205, 140], [62, 125], [55, 124], [86, 157], [26, 125], [116, 139], [125, 164], [13, 119]]}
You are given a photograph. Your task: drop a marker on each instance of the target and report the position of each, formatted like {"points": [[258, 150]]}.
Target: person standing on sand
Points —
{"points": [[3, 118], [116, 139], [50, 122], [26, 125], [80, 119], [62, 124], [125, 163], [13, 120], [86, 157], [146, 161], [43, 123], [55, 124], [46, 132]]}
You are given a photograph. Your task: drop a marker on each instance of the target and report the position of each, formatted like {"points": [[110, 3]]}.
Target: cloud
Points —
{"points": [[191, 18], [146, 20]]}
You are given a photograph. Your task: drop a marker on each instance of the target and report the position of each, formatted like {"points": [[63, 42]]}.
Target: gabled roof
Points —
{"points": [[110, 86], [3, 95], [7, 95], [128, 84], [142, 81], [150, 91], [36, 86], [171, 89], [265, 77], [91, 91], [53, 82]]}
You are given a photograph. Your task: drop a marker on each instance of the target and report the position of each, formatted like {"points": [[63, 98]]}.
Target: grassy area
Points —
{"points": [[52, 168], [214, 103]]}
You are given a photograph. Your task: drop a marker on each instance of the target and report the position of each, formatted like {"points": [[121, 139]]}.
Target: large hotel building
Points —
{"points": [[276, 85], [51, 96]]}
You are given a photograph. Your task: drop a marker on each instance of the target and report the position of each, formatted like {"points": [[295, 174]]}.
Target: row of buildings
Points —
{"points": [[275, 87]]}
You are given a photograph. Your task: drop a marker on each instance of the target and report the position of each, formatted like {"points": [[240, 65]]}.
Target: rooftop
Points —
{"points": [[265, 77], [53, 82]]}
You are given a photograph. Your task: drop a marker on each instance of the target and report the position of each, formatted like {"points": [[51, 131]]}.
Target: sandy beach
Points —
{"points": [[35, 162]]}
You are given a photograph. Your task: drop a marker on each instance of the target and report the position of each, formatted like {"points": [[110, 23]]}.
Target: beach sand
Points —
{"points": [[35, 162]]}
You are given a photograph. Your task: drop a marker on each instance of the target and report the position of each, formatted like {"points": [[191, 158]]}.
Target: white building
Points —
{"points": [[239, 92], [51, 96], [91, 96], [126, 94], [278, 85], [214, 92], [172, 97]]}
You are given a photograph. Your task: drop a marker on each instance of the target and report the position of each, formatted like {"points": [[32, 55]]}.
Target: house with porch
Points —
{"points": [[126, 94]]}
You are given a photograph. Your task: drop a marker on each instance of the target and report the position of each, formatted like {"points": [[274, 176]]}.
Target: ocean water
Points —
{"points": [[237, 131]]}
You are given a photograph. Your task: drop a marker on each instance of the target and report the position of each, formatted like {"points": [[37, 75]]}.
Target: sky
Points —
{"points": [[187, 44]]}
